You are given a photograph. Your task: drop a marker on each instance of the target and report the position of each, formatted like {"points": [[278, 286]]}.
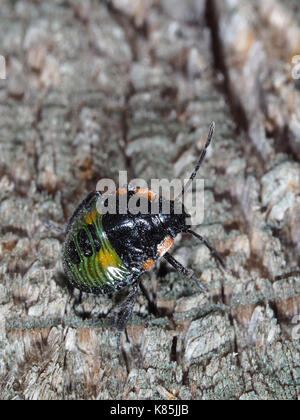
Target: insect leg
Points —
{"points": [[77, 302], [184, 271], [122, 314], [54, 227], [214, 253]]}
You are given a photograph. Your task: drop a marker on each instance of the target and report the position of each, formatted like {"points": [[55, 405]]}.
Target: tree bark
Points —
{"points": [[96, 87]]}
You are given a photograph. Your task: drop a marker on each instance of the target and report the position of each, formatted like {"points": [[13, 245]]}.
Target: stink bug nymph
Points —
{"points": [[104, 253]]}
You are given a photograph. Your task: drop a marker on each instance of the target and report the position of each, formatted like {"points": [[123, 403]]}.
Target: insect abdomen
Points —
{"points": [[90, 261]]}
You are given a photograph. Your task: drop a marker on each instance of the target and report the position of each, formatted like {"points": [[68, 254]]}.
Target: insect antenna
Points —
{"points": [[214, 253], [202, 156]]}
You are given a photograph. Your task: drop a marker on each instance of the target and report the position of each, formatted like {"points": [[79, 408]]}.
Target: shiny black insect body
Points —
{"points": [[103, 253]]}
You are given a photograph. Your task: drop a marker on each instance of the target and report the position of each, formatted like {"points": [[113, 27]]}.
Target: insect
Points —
{"points": [[104, 253]]}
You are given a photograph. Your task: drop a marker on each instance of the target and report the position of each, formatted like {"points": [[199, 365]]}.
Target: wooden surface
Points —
{"points": [[95, 87]]}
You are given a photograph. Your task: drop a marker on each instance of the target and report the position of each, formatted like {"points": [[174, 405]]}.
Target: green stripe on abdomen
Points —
{"points": [[100, 267]]}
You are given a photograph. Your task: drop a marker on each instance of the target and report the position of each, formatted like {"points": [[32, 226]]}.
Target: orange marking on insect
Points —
{"points": [[121, 191], [91, 217], [145, 192], [165, 244], [148, 264]]}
